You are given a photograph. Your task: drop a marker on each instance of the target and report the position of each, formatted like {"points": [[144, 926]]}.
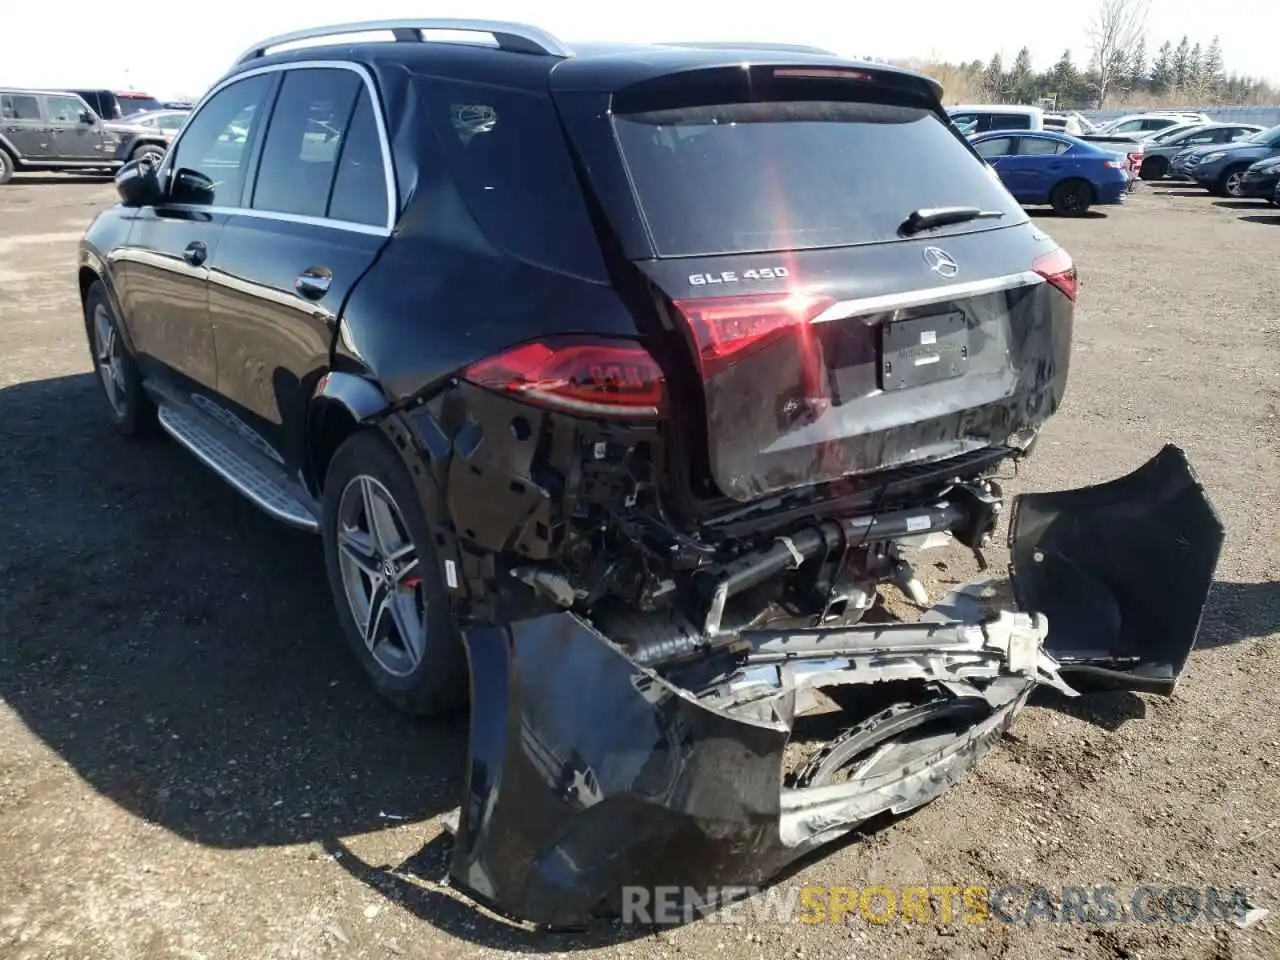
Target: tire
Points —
{"points": [[432, 679], [1154, 168], [1071, 198], [132, 412], [1228, 184], [148, 150], [6, 166]]}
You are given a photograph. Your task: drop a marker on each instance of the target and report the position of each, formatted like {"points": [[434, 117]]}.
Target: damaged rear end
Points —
{"points": [[844, 326]]}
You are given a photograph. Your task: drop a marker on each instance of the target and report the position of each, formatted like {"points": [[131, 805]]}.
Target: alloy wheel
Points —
{"points": [[109, 360], [381, 576], [1233, 183]]}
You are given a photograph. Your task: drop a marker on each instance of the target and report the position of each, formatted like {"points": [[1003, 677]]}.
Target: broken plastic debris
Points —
{"points": [[1256, 915]]}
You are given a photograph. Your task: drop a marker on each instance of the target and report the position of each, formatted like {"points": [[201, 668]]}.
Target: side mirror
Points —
{"points": [[192, 186], [138, 184], [87, 116]]}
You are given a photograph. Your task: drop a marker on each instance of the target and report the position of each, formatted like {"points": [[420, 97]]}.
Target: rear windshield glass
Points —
{"points": [[755, 177]]}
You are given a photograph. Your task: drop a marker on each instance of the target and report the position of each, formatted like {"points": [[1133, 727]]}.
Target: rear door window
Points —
{"points": [[18, 106], [360, 183], [802, 174], [304, 137]]}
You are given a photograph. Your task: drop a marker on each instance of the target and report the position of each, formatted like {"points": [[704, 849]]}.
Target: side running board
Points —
{"points": [[260, 480]]}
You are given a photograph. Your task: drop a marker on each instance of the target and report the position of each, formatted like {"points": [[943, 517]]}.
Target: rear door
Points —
{"points": [[828, 339], [320, 208], [24, 127]]}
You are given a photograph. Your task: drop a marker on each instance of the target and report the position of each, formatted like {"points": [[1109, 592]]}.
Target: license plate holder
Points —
{"points": [[923, 350]]}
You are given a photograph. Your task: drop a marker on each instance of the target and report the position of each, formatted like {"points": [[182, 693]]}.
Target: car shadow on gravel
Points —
{"points": [[179, 650], [1235, 613], [1238, 612], [1258, 204], [1272, 220]]}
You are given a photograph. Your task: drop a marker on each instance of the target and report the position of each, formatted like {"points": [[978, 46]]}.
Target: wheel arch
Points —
{"points": [[157, 142], [341, 404], [92, 271]]}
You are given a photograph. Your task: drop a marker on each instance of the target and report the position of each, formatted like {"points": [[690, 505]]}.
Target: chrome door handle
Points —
{"points": [[313, 283], [195, 253]]}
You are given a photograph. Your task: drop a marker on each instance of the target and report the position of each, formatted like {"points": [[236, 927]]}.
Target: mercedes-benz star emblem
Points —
{"points": [[941, 262]]}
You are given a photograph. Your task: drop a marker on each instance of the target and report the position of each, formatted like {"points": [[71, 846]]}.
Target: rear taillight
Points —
{"points": [[1059, 269], [585, 376], [725, 328]]}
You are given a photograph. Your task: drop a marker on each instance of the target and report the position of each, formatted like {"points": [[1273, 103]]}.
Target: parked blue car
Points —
{"points": [[1055, 168]]}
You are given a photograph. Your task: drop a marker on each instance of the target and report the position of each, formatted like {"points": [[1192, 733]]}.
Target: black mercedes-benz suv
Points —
{"points": [[617, 380]]}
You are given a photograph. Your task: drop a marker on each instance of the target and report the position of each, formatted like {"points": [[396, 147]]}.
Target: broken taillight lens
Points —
{"points": [[724, 328], [589, 377], [1059, 269]]}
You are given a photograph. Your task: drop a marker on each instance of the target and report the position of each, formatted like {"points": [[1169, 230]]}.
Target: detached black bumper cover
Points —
{"points": [[1122, 570], [590, 774]]}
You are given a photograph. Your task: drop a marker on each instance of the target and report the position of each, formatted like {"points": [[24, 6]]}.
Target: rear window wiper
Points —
{"points": [[926, 218]]}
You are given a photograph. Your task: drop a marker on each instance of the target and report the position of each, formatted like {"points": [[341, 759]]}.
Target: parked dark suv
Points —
{"points": [[40, 130], [616, 381], [117, 105]]}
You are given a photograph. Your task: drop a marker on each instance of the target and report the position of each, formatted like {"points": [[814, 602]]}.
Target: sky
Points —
{"points": [[180, 51]]}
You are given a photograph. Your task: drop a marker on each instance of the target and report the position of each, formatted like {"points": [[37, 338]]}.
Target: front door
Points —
{"points": [[73, 137], [163, 270], [319, 213]]}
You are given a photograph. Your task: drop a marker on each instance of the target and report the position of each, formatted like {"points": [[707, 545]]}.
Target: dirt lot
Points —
{"points": [[190, 766]]}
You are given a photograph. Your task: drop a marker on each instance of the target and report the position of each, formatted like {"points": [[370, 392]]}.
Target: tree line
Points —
{"points": [[1120, 70], [1188, 73]]}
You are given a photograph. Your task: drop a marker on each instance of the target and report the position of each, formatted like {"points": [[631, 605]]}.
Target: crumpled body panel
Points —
{"points": [[590, 774], [593, 775]]}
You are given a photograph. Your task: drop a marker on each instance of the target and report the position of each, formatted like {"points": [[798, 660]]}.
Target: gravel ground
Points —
{"points": [[190, 766]]}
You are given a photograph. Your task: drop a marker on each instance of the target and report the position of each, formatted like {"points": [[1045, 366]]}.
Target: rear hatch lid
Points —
{"points": [[768, 207]]}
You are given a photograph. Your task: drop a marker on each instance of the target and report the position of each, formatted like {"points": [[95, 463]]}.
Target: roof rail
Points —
{"points": [[514, 37], [748, 45]]}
